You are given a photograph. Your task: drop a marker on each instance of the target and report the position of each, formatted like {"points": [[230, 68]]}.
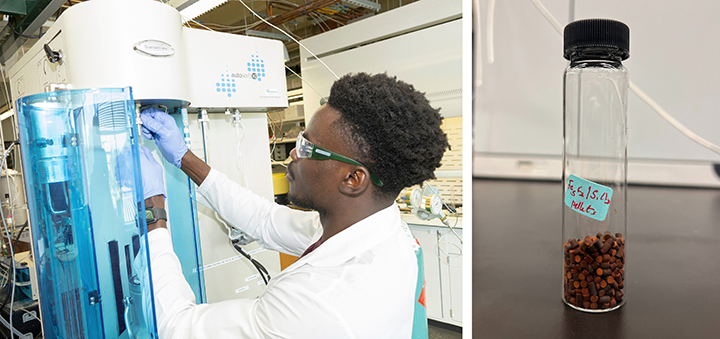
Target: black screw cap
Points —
{"points": [[597, 34]]}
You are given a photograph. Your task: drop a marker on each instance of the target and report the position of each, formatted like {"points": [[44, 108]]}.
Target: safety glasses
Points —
{"points": [[306, 149]]}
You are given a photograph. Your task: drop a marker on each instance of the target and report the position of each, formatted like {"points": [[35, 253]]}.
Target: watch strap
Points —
{"points": [[158, 213]]}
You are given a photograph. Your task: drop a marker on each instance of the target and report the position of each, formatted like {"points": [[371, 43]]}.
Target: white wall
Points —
{"points": [[428, 55], [674, 58]]}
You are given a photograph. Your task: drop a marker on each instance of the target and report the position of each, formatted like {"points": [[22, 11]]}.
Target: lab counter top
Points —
{"points": [[411, 219], [672, 266]]}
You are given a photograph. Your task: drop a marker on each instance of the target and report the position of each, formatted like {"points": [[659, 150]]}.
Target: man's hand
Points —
{"points": [[159, 126], [152, 173], [153, 184]]}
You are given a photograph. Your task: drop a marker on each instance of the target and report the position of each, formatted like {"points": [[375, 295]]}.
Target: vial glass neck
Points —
{"points": [[610, 55]]}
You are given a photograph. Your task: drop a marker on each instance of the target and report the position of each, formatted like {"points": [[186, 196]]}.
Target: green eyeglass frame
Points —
{"points": [[306, 149]]}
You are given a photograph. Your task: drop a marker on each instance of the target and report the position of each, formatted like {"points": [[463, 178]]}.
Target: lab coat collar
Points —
{"points": [[357, 238]]}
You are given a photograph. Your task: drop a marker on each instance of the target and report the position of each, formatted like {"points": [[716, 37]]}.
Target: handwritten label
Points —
{"points": [[242, 289], [587, 198]]}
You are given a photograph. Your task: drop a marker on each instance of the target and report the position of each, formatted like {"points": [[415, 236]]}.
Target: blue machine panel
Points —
{"points": [[84, 191]]}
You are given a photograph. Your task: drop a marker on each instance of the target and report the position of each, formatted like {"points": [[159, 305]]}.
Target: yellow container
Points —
{"points": [[280, 184]]}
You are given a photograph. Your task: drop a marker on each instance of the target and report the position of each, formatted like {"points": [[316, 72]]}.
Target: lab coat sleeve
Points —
{"points": [[285, 310], [273, 226]]}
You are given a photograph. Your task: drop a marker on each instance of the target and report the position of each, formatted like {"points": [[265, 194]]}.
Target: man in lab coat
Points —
{"points": [[360, 273]]}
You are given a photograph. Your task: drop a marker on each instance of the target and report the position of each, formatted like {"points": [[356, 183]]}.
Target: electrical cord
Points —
{"points": [[12, 250], [6, 91], [451, 210], [258, 266], [7, 296], [303, 80], [291, 37], [26, 36]]}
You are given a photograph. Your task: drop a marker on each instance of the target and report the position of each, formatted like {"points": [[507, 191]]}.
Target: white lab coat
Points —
{"points": [[360, 283]]}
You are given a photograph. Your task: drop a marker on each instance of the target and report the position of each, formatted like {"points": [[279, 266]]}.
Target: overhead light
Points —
{"points": [[181, 4], [7, 114], [364, 3], [200, 7], [268, 35]]}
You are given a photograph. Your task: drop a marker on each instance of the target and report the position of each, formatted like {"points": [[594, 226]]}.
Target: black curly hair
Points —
{"points": [[392, 127]]}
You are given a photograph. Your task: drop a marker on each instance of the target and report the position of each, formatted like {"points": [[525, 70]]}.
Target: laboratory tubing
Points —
{"points": [[594, 196]]}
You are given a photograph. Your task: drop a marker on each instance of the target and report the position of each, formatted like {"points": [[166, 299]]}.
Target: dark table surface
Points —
{"points": [[672, 265]]}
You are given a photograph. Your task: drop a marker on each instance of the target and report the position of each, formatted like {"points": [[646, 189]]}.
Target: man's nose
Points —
{"points": [[293, 154]]}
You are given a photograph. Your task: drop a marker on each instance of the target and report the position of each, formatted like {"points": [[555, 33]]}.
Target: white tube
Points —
{"points": [[477, 60], [665, 115], [635, 89], [548, 16], [491, 32]]}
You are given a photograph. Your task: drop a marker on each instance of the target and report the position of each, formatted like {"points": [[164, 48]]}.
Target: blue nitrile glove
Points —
{"points": [[159, 126], [152, 173]]}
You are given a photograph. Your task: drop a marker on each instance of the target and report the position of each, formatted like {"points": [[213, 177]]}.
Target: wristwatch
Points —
{"points": [[153, 214]]}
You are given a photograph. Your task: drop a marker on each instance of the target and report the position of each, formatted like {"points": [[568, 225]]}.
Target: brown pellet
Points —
{"points": [[593, 271], [606, 246], [598, 244], [573, 243]]}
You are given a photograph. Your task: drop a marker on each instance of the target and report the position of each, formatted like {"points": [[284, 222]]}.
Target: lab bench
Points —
{"points": [[442, 257], [672, 267]]}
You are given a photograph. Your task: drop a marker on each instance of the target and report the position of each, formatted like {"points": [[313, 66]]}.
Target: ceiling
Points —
{"points": [[300, 18]]}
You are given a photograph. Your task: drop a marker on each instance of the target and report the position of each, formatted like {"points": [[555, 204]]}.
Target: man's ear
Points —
{"points": [[356, 181]]}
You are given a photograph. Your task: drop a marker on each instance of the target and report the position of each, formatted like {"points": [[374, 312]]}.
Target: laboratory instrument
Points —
{"points": [[142, 44]]}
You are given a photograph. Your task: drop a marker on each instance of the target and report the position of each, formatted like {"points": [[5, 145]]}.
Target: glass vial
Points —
{"points": [[595, 164]]}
